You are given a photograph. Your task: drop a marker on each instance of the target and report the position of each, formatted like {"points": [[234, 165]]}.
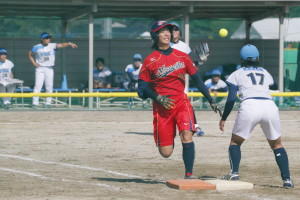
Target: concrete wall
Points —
{"points": [[118, 53]]}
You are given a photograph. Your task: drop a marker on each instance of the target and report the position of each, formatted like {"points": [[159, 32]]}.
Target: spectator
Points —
{"points": [[215, 84], [102, 75], [132, 72]]}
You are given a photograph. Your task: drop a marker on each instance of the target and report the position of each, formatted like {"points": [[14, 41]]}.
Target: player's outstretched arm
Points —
{"points": [[203, 89], [66, 44], [232, 92]]}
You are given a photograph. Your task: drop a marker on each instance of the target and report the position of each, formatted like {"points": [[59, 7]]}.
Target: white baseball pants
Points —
{"points": [[9, 89], [253, 112], [43, 75]]}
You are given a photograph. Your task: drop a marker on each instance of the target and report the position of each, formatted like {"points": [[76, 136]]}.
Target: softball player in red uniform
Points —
{"points": [[162, 79]]}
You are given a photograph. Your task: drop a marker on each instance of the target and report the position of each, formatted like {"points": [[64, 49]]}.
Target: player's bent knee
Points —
{"points": [[275, 144], [236, 140], [186, 136], [165, 155], [166, 151]]}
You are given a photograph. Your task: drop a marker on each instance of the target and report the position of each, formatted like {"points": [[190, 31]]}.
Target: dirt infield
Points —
{"points": [[111, 155]]}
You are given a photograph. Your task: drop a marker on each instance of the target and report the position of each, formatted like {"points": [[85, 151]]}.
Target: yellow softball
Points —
{"points": [[223, 32]]}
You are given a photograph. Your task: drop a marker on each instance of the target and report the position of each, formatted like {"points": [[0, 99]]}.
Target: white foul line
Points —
{"points": [[25, 173], [53, 179], [69, 165]]}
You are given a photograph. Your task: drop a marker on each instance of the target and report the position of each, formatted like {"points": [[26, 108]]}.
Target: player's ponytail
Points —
{"points": [[249, 63]]}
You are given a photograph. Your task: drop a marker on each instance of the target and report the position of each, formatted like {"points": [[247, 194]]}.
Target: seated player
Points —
{"points": [[162, 78], [102, 75], [133, 71], [252, 84], [215, 83], [6, 77]]}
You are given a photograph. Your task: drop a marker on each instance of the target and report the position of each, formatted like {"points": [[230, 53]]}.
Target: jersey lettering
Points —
{"points": [[166, 70]]}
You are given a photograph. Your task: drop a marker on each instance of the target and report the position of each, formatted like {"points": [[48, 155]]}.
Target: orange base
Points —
{"points": [[190, 184]]}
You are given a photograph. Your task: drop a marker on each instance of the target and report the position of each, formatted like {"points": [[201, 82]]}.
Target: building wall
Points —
{"points": [[118, 53]]}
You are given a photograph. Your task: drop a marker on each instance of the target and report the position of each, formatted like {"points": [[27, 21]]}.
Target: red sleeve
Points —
{"points": [[145, 73], [191, 68]]}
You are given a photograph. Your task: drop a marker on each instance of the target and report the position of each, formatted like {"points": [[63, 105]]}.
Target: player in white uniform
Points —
{"points": [[183, 47], [42, 57], [215, 83], [177, 43], [257, 107], [5, 75], [133, 71]]}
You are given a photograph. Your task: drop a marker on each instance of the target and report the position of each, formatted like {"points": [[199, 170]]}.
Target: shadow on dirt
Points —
{"points": [[130, 180], [139, 133]]}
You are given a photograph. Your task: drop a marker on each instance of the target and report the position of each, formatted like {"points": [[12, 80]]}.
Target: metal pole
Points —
{"points": [[187, 41], [64, 33], [91, 57], [281, 52], [248, 27]]}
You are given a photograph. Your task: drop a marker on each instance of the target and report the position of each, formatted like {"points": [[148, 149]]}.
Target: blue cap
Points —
{"points": [[216, 72], [3, 51], [137, 56], [45, 35]]}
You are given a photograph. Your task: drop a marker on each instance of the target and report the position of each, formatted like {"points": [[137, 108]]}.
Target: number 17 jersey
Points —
{"points": [[252, 82]]}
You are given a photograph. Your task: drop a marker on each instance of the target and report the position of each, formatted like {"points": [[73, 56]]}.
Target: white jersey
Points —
{"points": [[135, 71], [215, 86], [181, 46], [45, 55], [5, 70], [252, 82]]}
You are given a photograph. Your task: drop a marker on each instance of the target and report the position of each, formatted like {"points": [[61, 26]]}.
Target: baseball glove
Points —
{"points": [[200, 53]]}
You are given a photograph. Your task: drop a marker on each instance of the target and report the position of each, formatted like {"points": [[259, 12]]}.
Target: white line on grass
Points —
{"points": [[60, 180], [69, 165]]}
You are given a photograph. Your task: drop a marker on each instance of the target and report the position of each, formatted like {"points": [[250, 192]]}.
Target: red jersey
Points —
{"points": [[166, 72]]}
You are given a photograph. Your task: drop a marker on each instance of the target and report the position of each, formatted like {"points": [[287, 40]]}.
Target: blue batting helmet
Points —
{"points": [[157, 26], [249, 52], [3, 51]]}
